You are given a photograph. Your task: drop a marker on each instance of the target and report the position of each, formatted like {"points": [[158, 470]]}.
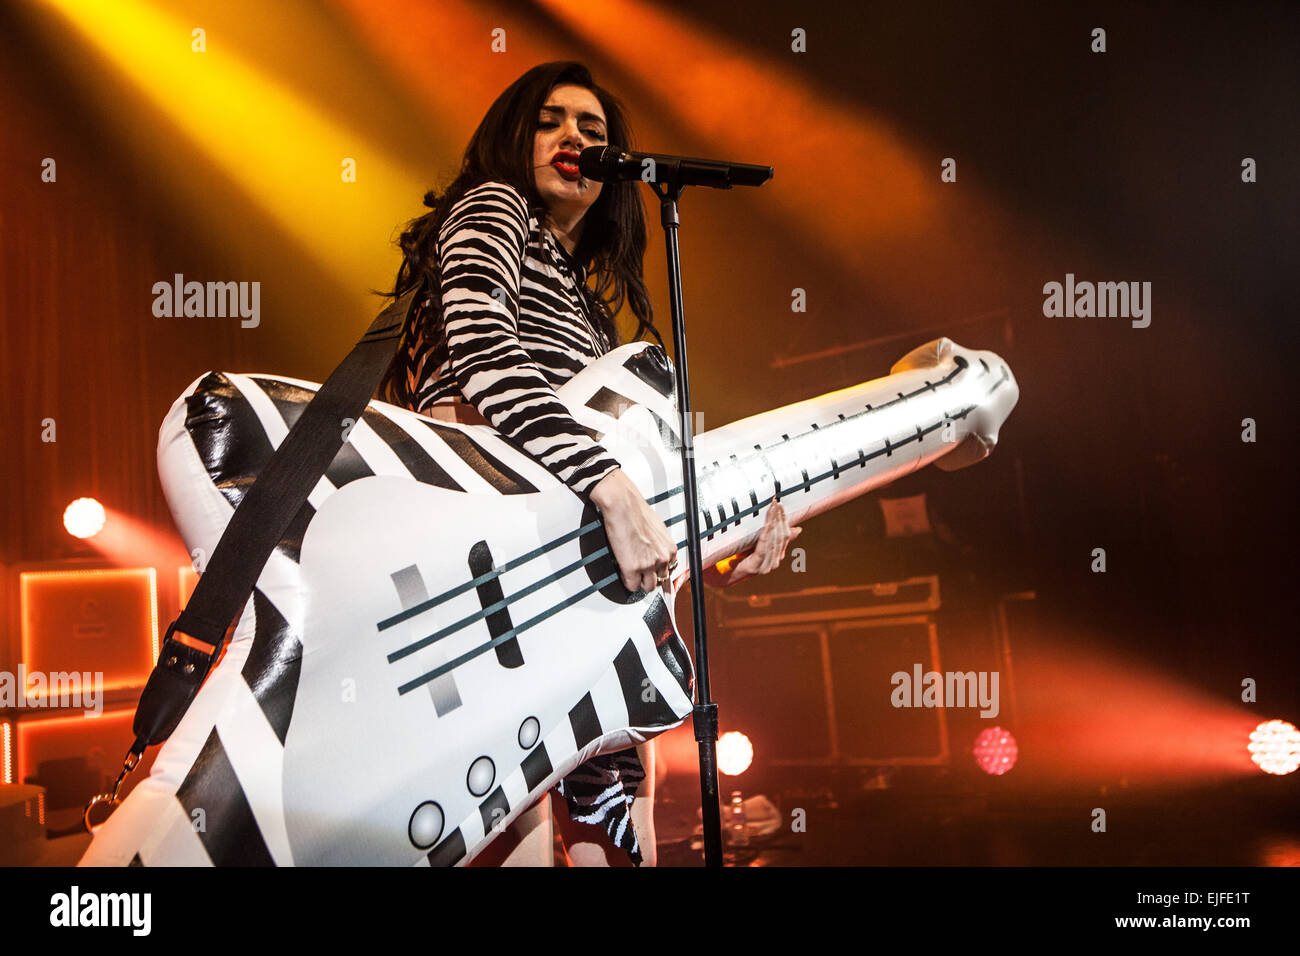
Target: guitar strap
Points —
{"points": [[194, 640]]}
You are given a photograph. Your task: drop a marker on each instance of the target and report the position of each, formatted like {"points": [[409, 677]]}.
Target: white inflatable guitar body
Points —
{"points": [[442, 634]]}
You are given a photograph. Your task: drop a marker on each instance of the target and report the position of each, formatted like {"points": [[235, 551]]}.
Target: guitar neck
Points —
{"points": [[819, 453]]}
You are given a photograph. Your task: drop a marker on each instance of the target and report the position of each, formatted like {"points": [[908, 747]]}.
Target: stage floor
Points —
{"points": [[1247, 823], [1252, 822]]}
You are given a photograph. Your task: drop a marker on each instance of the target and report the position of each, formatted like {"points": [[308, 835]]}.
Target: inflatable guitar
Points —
{"points": [[442, 635]]}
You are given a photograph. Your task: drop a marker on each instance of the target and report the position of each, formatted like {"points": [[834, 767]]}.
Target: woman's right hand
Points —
{"points": [[638, 538]]}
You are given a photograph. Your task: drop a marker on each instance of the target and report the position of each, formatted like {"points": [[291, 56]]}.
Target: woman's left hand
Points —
{"points": [[767, 554]]}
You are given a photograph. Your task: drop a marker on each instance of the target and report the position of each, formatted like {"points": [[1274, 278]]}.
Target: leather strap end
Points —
{"points": [[170, 689]]}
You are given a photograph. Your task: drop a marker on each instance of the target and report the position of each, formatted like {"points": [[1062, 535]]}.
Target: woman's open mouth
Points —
{"points": [[566, 163]]}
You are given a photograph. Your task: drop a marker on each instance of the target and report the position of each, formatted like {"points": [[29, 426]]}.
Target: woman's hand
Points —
{"points": [[638, 538], [767, 554]]}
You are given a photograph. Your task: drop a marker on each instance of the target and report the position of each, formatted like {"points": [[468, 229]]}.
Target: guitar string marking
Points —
{"points": [[537, 619], [416, 609]]}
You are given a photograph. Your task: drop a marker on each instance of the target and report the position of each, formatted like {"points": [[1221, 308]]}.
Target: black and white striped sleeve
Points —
{"points": [[481, 249]]}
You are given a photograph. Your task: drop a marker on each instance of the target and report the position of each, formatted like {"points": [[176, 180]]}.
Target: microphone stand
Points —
{"points": [[668, 188], [669, 176]]}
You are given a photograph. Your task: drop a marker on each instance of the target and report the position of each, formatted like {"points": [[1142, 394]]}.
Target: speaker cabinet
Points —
{"points": [[864, 655], [22, 824], [75, 757], [93, 621], [807, 676], [771, 685]]}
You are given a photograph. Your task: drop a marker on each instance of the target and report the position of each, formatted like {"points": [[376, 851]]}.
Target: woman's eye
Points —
{"points": [[592, 133]]}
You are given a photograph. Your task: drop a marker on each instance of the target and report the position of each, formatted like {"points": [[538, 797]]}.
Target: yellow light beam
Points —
{"points": [[282, 149]]}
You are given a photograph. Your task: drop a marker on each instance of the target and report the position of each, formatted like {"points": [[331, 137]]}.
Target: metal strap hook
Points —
{"points": [[110, 799]]}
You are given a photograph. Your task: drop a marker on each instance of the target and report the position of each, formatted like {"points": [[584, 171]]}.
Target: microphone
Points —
{"points": [[609, 164]]}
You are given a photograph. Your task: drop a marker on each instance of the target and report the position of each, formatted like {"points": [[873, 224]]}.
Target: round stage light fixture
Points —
{"points": [[995, 751], [735, 753], [84, 518], [1275, 747]]}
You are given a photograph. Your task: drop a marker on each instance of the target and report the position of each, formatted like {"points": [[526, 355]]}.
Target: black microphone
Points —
{"points": [[608, 164]]}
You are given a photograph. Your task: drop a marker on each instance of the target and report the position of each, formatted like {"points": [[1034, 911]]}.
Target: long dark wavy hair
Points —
{"points": [[613, 239]]}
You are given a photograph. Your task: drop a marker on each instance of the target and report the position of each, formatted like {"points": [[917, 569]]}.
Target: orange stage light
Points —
{"points": [[84, 518], [6, 752], [735, 753], [1275, 747]]}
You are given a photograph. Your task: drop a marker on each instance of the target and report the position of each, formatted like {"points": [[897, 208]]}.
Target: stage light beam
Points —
{"points": [[281, 144]]}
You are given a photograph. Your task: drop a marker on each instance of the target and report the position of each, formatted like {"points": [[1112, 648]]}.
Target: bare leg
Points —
{"points": [[591, 846], [529, 841], [643, 807]]}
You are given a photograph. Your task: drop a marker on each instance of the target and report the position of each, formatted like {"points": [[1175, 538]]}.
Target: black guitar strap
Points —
{"points": [[193, 641]]}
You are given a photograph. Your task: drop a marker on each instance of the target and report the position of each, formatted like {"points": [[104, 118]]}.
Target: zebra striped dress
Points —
{"points": [[517, 322]]}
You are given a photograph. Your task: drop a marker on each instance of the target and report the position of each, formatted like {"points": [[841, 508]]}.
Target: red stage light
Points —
{"points": [[735, 753], [995, 751], [1275, 747], [6, 752], [84, 518]]}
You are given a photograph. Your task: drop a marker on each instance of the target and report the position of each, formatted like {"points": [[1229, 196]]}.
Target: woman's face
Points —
{"points": [[570, 120]]}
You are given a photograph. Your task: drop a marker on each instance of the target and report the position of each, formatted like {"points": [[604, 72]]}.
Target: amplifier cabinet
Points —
{"points": [[92, 621], [918, 595], [820, 692], [22, 824], [75, 757]]}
